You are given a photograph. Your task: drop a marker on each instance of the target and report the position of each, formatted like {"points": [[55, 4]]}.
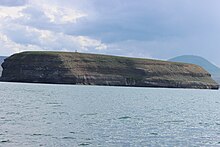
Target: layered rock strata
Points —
{"points": [[94, 69]]}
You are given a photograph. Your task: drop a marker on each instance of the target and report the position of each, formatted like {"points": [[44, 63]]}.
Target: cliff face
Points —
{"points": [[1, 61], [92, 69], [208, 66]]}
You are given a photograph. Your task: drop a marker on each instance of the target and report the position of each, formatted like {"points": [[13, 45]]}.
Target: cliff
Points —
{"points": [[207, 65], [93, 69], [1, 61]]}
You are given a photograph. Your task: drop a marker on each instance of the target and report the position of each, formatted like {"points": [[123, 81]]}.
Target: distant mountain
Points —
{"points": [[1, 61], [211, 68]]}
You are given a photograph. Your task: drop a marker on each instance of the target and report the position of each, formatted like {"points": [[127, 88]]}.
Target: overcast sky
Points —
{"points": [[159, 29]]}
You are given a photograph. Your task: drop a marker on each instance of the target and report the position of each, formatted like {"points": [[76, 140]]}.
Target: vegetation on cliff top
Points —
{"points": [[95, 56]]}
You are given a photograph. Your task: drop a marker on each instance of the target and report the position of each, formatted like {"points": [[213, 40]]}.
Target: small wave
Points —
{"points": [[68, 137], [39, 134], [84, 144], [53, 103], [89, 114], [154, 134], [174, 121], [125, 117], [72, 132], [5, 141]]}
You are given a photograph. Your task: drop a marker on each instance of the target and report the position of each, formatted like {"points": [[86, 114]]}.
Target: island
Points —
{"points": [[95, 69]]}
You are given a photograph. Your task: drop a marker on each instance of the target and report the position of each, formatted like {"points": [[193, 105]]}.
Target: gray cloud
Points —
{"points": [[119, 20], [38, 26], [13, 2], [161, 29], [144, 28]]}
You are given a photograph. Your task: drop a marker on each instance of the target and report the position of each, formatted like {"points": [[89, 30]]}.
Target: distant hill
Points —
{"points": [[214, 70], [1, 61]]}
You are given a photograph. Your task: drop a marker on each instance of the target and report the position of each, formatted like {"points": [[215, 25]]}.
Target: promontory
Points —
{"points": [[95, 69]]}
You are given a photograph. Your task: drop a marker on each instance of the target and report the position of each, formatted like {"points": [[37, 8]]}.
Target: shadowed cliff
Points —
{"points": [[93, 69], [1, 61]]}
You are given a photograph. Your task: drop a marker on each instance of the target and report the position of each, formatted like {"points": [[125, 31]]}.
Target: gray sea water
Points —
{"points": [[33, 115]]}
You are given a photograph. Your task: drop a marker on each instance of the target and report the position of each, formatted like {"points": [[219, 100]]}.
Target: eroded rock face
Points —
{"points": [[1, 61], [93, 69]]}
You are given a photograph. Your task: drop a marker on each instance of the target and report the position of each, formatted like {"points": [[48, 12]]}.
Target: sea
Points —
{"points": [[41, 115]]}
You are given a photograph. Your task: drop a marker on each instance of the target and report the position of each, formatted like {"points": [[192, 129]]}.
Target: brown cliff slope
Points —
{"points": [[93, 69]]}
